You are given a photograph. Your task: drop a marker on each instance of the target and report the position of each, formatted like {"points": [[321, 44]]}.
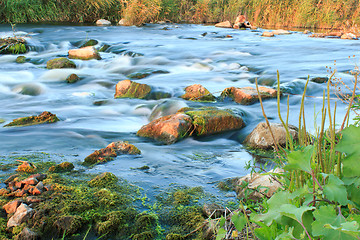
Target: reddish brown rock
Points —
{"points": [[349, 36], [197, 92], [112, 150], [226, 24], [19, 184], [30, 181], [84, 53], [26, 167], [33, 199], [44, 117], [168, 129], [241, 22], [40, 186], [130, 89], [35, 191], [11, 178], [248, 95], [11, 207], [207, 121], [261, 138]]}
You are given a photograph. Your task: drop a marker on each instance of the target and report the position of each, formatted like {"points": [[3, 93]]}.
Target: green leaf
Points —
{"points": [[222, 221], [274, 208], [221, 234], [286, 235], [335, 190], [300, 159], [350, 144], [349, 228], [294, 212], [239, 221], [265, 232], [353, 189], [326, 216]]}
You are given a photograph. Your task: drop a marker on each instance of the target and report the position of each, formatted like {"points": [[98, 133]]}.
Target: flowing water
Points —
{"points": [[190, 54]]}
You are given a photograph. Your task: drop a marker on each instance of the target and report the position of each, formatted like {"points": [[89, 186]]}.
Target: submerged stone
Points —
{"points": [[130, 89], [197, 92], [68, 224], [165, 108], [60, 63], [104, 47], [20, 59], [320, 79], [111, 151], [261, 138], [45, 117], [281, 32], [62, 167], [145, 73], [91, 42], [248, 95], [13, 45], [72, 78], [84, 53]]}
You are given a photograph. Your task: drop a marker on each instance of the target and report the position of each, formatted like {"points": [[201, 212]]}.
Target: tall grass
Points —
{"points": [[334, 14]]}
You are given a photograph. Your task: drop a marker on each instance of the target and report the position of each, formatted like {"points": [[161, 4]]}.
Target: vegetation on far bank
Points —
{"points": [[333, 14]]}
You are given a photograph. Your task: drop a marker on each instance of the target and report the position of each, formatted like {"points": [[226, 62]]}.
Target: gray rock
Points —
{"points": [[22, 214]]}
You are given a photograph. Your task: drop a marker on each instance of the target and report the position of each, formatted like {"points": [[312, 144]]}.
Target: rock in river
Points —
{"points": [[130, 89], [84, 53], [197, 92], [248, 95], [261, 138], [112, 150], [45, 117], [13, 45], [191, 122], [60, 63], [225, 24], [103, 22]]}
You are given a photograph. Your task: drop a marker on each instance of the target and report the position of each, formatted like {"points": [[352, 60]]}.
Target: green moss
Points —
{"points": [[60, 63], [104, 180], [136, 90], [212, 120], [104, 47], [91, 42], [45, 117], [174, 236], [20, 59], [72, 78], [62, 167], [148, 235]]}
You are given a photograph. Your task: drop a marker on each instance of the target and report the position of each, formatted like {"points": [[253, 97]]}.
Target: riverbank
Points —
{"points": [[328, 14]]}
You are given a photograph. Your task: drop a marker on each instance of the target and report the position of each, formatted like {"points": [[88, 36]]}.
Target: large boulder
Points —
{"points": [[60, 63], [226, 24], [255, 186], [241, 22], [261, 138], [209, 121], [84, 53], [197, 92], [248, 95], [168, 129], [103, 22], [191, 122], [124, 22], [111, 151], [45, 117]]}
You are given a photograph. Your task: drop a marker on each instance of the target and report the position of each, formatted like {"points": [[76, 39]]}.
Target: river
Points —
{"points": [[190, 54]]}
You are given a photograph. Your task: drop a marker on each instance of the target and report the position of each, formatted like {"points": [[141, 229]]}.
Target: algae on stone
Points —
{"points": [[199, 93], [13, 45], [130, 89], [61, 62], [44, 117], [62, 167]]}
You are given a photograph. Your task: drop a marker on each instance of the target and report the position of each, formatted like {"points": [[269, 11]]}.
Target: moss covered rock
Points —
{"points": [[20, 59], [248, 95], [145, 73], [84, 53], [104, 180], [45, 117], [72, 78], [60, 63], [197, 92], [13, 45], [62, 167], [209, 121], [130, 89], [111, 151], [89, 43], [168, 129]]}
